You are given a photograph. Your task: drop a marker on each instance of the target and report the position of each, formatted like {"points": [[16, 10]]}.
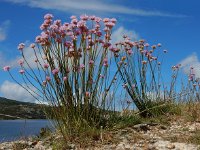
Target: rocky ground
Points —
{"points": [[177, 135]]}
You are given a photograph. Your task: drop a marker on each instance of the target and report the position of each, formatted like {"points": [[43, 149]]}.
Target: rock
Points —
{"points": [[170, 146], [72, 146], [127, 147], [141, 127], [151, 147], [163, 127], [120, 146]]}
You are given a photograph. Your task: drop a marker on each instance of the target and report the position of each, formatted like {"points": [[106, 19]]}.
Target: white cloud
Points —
{"points": [[28, 54], [118, 34], [81, 6], [3, 30], [5, 61], [191, 61], [30, 57], [14, 91]]}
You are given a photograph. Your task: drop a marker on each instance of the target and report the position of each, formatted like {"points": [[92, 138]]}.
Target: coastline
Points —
{"points": [[156, 137]]}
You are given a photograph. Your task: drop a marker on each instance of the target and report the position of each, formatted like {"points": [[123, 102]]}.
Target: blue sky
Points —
{"points": [[174, 23]]}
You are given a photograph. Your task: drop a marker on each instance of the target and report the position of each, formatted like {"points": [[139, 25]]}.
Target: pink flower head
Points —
{"points": [[48, 16], [65, 78], [130, 52], [92, 17], [133, 86], [6, 68], [91, 62], [144, 62], [55, 71], [146, 44], [21, 46], [113, 20], [153, 46], [98, 19], [84, 17], [87, 94], [125, 85], [21, 71], [159, 44], [105, 60], [105, 64], [48, 78], [32, 45], [109, 24], [44, 83], [102, 76], [82, 66], [68, 44], [36, 60], [73, 17], [120, 63], [46, 66], [106, 20], [21, 62]]}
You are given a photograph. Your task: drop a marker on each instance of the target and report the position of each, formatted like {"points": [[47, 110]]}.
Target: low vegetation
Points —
{"points": [[83, 76]]}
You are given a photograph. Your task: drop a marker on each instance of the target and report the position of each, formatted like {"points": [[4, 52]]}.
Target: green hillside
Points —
{"points": [[11, 109]]}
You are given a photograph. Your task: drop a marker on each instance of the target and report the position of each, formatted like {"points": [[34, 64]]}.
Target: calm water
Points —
{"points": [[15, 129]]}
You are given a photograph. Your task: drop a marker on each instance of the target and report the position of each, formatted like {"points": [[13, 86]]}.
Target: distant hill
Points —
{"points": [[12, 109]]}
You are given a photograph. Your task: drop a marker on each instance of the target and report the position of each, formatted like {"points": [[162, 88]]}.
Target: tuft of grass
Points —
{"points": [[124, 121], [195, 138]]}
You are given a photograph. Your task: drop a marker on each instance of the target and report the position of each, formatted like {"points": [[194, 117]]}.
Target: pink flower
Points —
{"points": [[130, 52], [6, 68], [159, 45], [125, 85], [21, 71], [98, 19], [32, 45], [106, 20], [48, 78], [82, 66], [105, 60], [48, 16], [109, 24], [65, 78], [55, 71], [84, 17], [73, 17], [133, 86], [92, 17], [91, 62], [105, 64], [44, 83], [146, 44], [120, 63], [101, 76], [153, 46], [36, 60], [113, 20], [21, 46], [144, 62], [21, 62], [46, 66], [87, 94]]}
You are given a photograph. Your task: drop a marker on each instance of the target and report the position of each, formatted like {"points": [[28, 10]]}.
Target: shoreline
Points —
{"points": [[152, 137]]}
